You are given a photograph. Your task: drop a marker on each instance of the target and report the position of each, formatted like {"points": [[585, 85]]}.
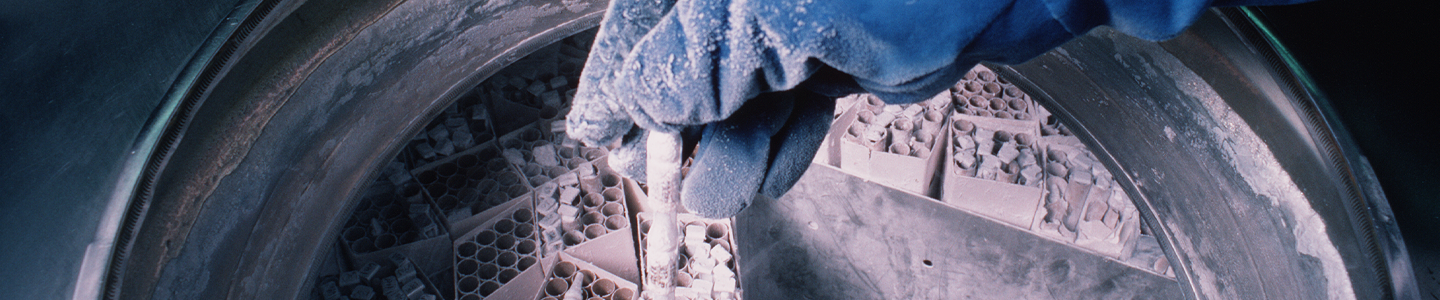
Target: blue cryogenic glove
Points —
{"points": [[695, 66]]}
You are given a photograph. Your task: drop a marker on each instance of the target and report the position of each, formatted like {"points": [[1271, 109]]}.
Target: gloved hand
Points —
{"points": [[765, 146], [691, 65]]}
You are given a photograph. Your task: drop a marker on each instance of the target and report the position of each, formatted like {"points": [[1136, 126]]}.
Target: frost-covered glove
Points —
{"points": [[691, 65], [765, 146]]}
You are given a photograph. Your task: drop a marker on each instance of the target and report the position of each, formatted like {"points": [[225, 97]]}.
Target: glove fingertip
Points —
{"points": [[629, 159], [595, 132], [628, 164], [798, 143]]}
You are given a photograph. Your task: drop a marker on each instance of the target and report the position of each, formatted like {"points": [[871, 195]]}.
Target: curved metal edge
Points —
{"points": [[1123, 176], [254, 271], [1361, 187], [1355, 165], [100, 271], [145, 266], [1263, 91]]}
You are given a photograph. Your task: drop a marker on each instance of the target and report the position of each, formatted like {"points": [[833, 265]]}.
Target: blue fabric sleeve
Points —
{"points": [[671, 64]]}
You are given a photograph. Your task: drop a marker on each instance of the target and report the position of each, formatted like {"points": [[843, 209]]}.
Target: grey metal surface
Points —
{"points": [[1371, 88], [79, 81], [836, 236], [265, 174], [1207, 159], [1308, 142]]}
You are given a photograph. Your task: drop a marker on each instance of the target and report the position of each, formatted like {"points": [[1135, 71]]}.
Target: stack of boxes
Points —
{"points": [[997, 154]]}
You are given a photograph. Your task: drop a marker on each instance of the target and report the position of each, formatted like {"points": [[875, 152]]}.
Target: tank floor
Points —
{"points": [[838, 236]]}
